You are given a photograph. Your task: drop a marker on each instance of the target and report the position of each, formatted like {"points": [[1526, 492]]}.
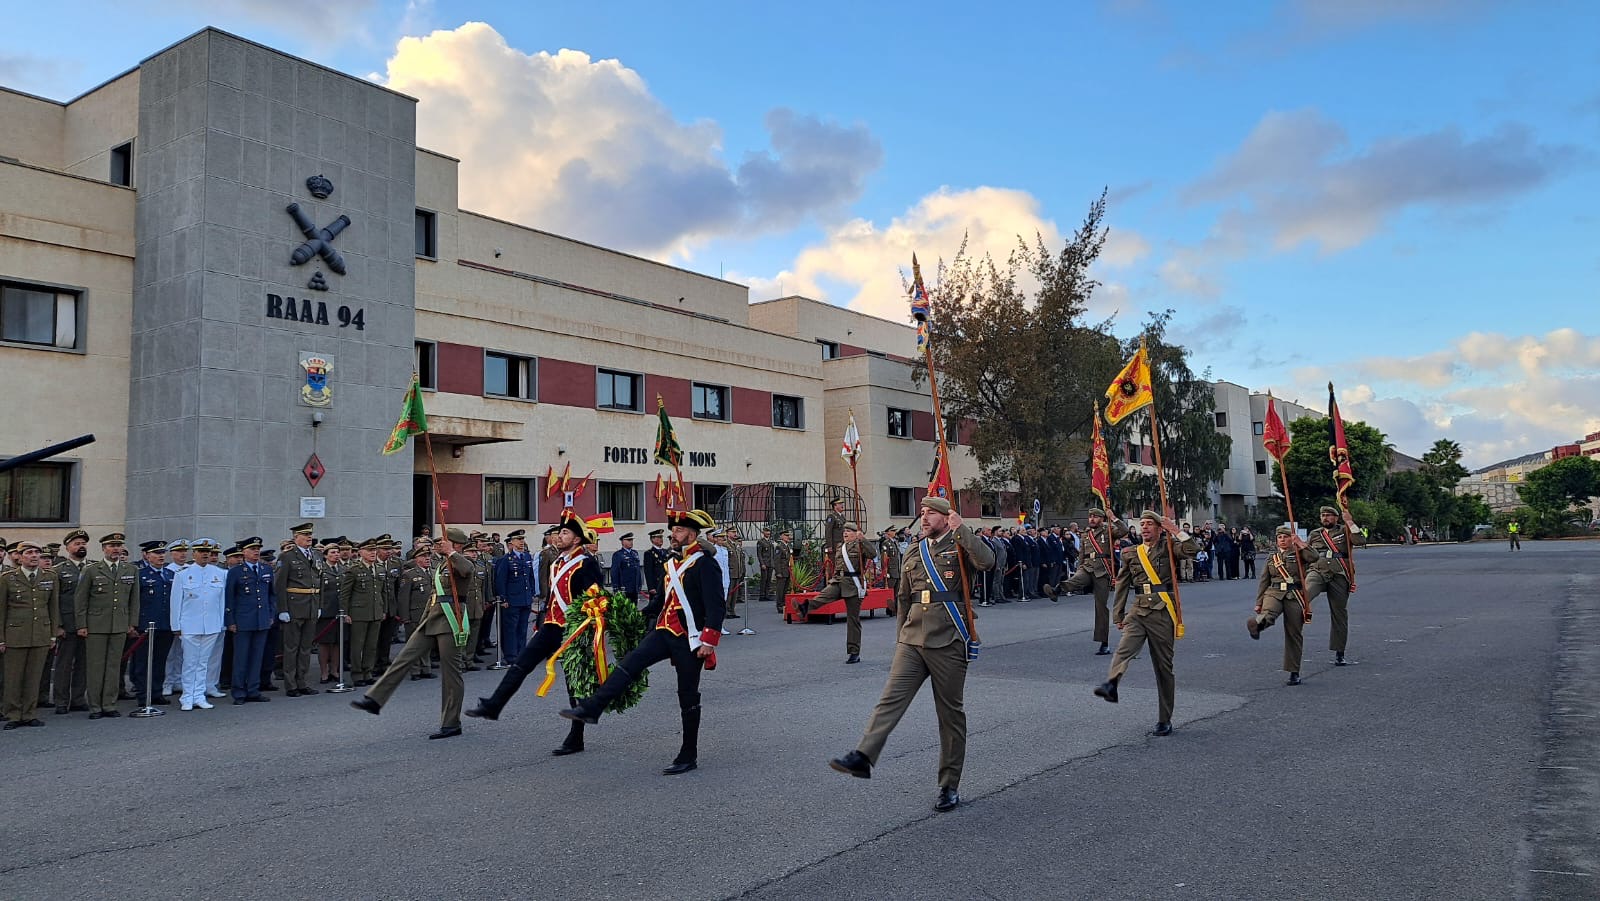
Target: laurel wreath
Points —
{"points": [[625, 629]]}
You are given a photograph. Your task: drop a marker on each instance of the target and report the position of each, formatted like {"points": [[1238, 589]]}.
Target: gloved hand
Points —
{"points": [[283, 617]]}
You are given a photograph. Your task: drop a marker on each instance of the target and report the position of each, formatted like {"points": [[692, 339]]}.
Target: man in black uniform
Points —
{"points": [[655, 565], [687, 622]]}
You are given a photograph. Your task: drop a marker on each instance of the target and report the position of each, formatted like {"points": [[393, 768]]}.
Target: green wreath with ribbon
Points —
{"points": [[620, 626]]}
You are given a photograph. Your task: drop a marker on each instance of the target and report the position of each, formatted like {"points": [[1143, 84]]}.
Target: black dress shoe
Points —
{"points": [[678, 769], [484, 711], [949, 799], [257, 700], [853, 658], [1294, 679], [732, 616], [854, 764], [292, 693], [446, 732], [1104, 650], [564, 750], [13, 724], [309, 691], [110, 714], [429, 675], [1107, 690], [1253, 626], [1161, 729], [37, 724], [238, 702], [79, 708], [125, 696], [473, 668], [1338, 659], [269, 687], [415, 677], [367, 704], [61, 710], [95, 716], [581, 715], [162, 701]]}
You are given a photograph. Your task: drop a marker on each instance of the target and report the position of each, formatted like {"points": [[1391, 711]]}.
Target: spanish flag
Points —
{"points": [[1131, 389], [604, 524]]}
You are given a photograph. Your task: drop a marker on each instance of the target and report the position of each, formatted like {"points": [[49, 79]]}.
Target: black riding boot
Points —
{"points": [[689, 753]]}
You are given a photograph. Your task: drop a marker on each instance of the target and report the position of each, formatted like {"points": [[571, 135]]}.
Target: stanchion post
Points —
{"points": [[149, 709], [500, 638], [341, 686]]}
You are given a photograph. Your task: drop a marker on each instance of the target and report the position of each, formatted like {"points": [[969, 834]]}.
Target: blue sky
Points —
{"points": [[1395, 194]]}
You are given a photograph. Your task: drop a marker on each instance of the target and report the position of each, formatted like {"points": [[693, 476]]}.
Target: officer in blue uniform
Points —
{"points": [[514, 586], [155, 606], [627, 571], [249, 613]]}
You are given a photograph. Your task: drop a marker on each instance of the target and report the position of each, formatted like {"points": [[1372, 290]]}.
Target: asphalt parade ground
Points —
{"points": [[1457, 758]]}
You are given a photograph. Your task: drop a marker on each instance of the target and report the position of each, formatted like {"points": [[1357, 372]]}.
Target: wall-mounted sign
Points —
{"points": [[316, 392], [643, 457], [314, 312], [313, 507]]}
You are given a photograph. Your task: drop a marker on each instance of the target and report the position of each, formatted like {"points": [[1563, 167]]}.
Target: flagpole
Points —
{"points": [[1166, 507], [1349, 542], [1105, 500], [944, 461], [1288, 505], [444, 528]]}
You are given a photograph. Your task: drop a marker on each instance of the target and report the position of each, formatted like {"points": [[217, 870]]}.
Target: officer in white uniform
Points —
{"points": [[197, 619]]}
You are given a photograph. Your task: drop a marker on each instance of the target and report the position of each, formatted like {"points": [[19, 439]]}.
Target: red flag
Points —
{"points": [[1339, 453], [1274, 437], [1100, 468], [939, 484]]}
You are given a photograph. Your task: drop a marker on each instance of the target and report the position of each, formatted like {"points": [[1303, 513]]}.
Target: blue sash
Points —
{"points": [[973, 647]]}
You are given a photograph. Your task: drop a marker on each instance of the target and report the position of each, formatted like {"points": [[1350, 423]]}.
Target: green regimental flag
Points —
{"points": [[413, 419], [668, 450]]}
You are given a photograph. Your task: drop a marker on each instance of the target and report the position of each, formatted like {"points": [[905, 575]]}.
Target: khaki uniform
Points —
{"points": [[1150, 620], [416, 590], [71, 679], [889, 554], [764, 558], [28, 624], [928, 645], [851, 557], [432, 633], [1094, 571], [363, 598], [105, 602], [1329, 574], [301, 601], [1278, 594], [782, 557], [473, 590], [735, 575]]}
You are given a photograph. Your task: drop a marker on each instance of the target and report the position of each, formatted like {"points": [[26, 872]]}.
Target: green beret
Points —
{"points": [[1153, 516], [1285, 530], [1329, 511], [457, 536], [937, 504]]}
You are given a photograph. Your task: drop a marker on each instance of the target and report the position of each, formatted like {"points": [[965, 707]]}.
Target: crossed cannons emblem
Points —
{"points": [[319, 241]]}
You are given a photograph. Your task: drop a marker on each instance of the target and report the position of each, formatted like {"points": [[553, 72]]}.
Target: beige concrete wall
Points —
{"points": [[809, 320], [62, 230], [32, 129], [98, 121]]}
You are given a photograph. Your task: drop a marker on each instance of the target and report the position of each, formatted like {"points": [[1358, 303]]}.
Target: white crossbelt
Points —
{"points": [[675, 571], [571, 564], [850, 568]]}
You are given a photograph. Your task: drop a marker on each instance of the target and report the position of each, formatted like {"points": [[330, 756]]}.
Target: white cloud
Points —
{"points": [[869, 260], [1123, 248], [580, 146]]}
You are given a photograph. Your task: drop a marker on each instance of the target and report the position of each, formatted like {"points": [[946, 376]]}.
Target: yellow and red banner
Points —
{"points": [[1131, 390], [1339, 453], [1100, 465]]}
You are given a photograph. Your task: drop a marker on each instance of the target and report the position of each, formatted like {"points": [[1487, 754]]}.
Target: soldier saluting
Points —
{"points": [[1280, 594], [934, 641], [850, 583], [1094, 570], [1147, 574], [1334, 573]]}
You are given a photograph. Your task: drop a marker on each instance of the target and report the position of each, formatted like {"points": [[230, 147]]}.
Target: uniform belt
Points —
{"points": [[304, 590], [1287, 586], [1148, 589]]}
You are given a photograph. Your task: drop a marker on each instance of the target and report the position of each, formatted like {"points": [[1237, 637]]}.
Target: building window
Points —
{"points": [[32, 314], [37, 492], [623, 500], [830, 349], [902, 502], [1222, 419], [952, 431], [899, 423], [617, 391], [788, 412], [710, 402], [427, 235], [788, 504], [122, 165], [707, 497], [990, 505], [1261, 467], [508, 375], [1259, 428], [1133, 452], [427, 363], [506, 500]]}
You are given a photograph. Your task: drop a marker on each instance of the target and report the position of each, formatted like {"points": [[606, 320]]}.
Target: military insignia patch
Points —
{"points": [[316, 391], [950, 575]]}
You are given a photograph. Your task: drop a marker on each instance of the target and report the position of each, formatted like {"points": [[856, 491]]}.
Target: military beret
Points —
{"points": [[698, 520], [251, 542], [457, 536], [851, 527], [657, 533], [114, 538], [1153, 516], [304, 528], [1329, 511], [75, 533], [1096, 511], [937, 504], [626, 536], [149, 546], [1285, 530], [23, 544], [520, 533], [182, 544]]}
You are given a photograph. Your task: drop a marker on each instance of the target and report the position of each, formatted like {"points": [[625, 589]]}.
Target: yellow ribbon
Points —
{"points": [[1150, 571], [595, 604]]}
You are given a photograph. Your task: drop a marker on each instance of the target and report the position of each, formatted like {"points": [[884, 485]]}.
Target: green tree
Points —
{"points": [[1562, 485], [1382, 520], [1442, 464], [1026, 367], [1311, 474], [1466, 513], [1414, 494], [1193, 453]]}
